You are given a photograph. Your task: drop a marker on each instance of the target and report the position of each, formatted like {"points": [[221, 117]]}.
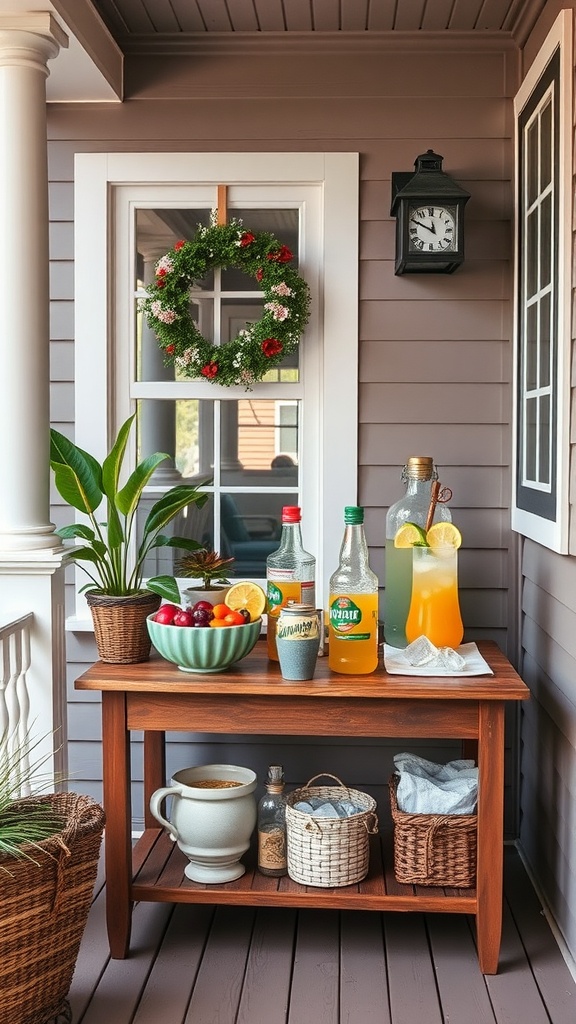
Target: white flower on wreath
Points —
{"points": [[166, 316], [281, 289], [187, 357], [165, 264], [279, 312]]}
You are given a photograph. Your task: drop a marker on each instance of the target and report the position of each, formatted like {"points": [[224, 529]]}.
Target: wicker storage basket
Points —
{"points": [[433, 849], [329, 852], [43, 911], [120, 628]]}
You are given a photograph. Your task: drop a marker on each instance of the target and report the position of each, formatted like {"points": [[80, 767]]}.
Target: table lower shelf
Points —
{"points": [[158, 876]]}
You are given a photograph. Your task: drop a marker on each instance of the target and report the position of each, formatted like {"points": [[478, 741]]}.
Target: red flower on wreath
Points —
{"points": [[179, 245], [160, 283], [271, 347], [259, 274], [210, 370], [161, 272], [282, 255], [246, 239], [169, 350]]}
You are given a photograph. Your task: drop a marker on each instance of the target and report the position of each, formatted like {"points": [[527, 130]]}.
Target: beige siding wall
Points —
{"points": [[435, 351]]}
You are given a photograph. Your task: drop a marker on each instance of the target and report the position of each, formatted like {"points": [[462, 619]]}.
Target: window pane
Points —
{"points": [[531, 255], [531, 155], [251, 440], [544, 440], [530, 447], [546, 146], [546, 241], [545, 375], [531, 347]]}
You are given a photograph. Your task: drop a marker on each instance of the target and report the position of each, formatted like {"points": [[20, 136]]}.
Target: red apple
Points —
{"points": [[166, 613], [205, 606], [183, 618]]}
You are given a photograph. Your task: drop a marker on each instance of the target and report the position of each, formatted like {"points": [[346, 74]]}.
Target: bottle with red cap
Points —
{"points": [[290, 574]]}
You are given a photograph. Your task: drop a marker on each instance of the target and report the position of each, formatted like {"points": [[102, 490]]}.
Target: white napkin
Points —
{"points": [[396, 663], [428, 788]]}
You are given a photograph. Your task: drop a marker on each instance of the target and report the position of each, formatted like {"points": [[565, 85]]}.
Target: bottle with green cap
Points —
{"points": [[353, 603]]}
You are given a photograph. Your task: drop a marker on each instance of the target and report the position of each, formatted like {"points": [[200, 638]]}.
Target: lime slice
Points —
{"points": [[444, 535], [410, 535], [246, 594]]}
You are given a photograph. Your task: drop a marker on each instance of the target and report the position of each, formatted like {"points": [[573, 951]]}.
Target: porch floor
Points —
{"points": [[240, 965]]}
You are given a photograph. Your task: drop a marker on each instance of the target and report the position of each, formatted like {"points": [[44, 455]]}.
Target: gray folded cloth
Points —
{"points": [[428, 788]]}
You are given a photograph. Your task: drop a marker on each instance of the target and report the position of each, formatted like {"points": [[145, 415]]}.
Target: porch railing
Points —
{"points": [[15, 702]]}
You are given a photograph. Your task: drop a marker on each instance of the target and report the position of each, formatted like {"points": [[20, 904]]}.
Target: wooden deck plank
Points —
{"points": [[513, 991], [363, 979], [461, 986], [216, 994], [266, 992], [316, 969], [413, 995], [175, 969], [551, 973]]}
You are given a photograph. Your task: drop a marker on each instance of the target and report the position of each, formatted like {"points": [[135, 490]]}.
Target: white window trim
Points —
{"points": [[552, 534], [333, 426]]}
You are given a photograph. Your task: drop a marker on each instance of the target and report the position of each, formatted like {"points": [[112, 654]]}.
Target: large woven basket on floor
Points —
{"points": [[329, 852], [433, 849], [120, 628], [43, 911]]}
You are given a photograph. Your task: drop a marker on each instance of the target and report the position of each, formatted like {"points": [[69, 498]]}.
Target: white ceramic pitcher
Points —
{"points": [[213, 825]]}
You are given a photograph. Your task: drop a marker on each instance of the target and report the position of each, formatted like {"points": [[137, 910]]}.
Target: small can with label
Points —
{"points": [[298, 640]]}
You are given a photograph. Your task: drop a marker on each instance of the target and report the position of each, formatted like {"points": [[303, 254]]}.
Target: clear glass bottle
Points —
{"points": [[290, 574], [272, 825], [418, 474], [353, 603]]}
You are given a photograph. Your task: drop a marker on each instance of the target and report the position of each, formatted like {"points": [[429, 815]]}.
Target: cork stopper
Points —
{"points": [[275, 780]]}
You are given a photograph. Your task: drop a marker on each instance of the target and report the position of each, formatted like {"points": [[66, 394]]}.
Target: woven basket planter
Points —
{"points": [[120, 629], [329, 852], [43, 911], [433, 849]]}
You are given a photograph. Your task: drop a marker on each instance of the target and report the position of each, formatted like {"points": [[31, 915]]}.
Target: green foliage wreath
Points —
{"points": [[259, 346]]}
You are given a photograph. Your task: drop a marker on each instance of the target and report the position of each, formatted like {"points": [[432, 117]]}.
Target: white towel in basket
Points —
{"points": [[428, 788]]}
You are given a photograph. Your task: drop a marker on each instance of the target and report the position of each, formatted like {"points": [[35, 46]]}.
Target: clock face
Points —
{"points": [[432, 229]]}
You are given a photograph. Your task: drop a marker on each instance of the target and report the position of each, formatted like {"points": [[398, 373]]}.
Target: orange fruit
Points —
{"points": [[220, 611], [234, 619], [246, 594], [217, 622]]}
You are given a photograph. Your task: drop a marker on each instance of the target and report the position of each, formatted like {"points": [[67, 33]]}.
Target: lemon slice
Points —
{"points": [[246, 594], [444, 535], [408, 535]]}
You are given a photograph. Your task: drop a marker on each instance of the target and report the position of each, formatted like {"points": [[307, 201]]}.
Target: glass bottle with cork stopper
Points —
{"points": [[272, 855], [418, 474]]}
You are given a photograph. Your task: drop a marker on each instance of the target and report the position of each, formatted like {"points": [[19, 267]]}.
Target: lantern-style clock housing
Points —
{"points": [[429, 210]]}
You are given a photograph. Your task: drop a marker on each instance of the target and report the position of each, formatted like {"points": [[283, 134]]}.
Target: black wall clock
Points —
{"points": [[429, 209]]}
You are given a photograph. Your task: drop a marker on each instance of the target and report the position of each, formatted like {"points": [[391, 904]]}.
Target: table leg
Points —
{"points": [[118, 808], [154, 771], [490, 833]]}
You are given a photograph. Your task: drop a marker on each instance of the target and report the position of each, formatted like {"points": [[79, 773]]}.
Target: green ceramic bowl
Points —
{"points": [[205, 649]]}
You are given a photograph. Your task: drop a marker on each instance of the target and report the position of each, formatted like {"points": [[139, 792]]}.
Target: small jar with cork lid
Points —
{"points": [[272, 857]]}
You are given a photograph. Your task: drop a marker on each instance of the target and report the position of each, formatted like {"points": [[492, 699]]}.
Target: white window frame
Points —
{"points": [[106, 393], [550, 532]]}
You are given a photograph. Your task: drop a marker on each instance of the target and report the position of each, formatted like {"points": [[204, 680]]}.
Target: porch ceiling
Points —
{"points": [[146, 25]]}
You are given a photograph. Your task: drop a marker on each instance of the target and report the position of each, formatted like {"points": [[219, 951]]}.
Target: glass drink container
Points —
{"points": [[353, 603], [434, 606], [290, 574]]}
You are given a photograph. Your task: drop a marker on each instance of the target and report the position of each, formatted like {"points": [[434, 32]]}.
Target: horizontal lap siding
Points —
{"points": [[434, 360], [548, 764]]}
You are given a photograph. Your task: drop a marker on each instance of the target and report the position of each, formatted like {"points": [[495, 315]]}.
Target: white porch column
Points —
{"points": [[31, 570], [27, 42]]}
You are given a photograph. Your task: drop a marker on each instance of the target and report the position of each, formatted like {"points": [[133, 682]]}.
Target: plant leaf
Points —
{"points": [[171, 504], [127, 499], [77, 475], [166, 586], [162, 541], [76, 530]]}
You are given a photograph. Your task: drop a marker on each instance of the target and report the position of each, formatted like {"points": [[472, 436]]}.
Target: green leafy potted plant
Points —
{"points": [[209, 567], [49, 851], [110, 555]]}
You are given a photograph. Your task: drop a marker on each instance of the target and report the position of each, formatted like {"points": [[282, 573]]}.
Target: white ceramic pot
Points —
{"points": [[193, 594], [212, 826]]}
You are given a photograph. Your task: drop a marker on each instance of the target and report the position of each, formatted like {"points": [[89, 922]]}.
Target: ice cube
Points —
{"points": [[451, 660], [421, 652]]}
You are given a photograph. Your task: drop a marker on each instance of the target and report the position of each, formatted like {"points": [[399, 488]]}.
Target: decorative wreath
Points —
{"points": [[259, 346]]}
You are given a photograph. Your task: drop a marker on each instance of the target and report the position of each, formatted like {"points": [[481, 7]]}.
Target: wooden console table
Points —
{"points": [[252, 698]]}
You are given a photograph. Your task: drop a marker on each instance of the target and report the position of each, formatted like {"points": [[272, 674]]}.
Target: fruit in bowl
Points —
{"points": [[209, 638]]}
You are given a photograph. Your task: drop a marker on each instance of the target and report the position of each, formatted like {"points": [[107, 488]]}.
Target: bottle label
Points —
{"points": [[346, 619], [272, 849], [299, 623]]}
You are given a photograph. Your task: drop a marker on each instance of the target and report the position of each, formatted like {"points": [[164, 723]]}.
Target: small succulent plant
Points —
{"points": [[206, 565]]}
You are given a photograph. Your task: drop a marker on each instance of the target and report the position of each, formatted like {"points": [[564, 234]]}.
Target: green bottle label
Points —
{"points": [[344, 615], [274, 596]]}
